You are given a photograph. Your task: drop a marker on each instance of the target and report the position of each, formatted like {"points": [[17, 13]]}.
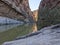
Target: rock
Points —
{"points": [[50, 3], [48, 13], [35, 15], [46, 36], [5, 20], [15, 9]]}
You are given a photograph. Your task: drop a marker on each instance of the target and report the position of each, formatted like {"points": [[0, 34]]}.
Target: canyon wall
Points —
{"points": [[35, 15], [49, 13], [16, 9]]}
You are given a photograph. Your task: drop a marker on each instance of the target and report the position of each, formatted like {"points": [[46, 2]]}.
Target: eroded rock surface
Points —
{"points": [[5, 20], [16, 9], [46, 36], [48, 13], [49, 3]]}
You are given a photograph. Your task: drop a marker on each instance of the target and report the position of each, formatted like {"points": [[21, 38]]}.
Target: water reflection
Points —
{"points": [[10, 32], [13, 31], [7, 27], [34, 27]]}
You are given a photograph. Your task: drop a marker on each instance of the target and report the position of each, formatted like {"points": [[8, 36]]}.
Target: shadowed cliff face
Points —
{"points": [[49, 13], [16, 9], [50, 3]]}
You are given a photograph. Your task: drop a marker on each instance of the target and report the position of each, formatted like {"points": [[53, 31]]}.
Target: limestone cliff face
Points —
{"points": [[49, 13], [35, 15], [50, 3], [16, 9]]}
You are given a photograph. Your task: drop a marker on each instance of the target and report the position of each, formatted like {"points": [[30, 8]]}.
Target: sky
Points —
{"points": [[34, 4]]}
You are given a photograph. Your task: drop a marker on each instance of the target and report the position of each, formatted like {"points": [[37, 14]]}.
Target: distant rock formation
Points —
{"points": [[49, 13], [35, 15], [16, 9], [46, 36]]}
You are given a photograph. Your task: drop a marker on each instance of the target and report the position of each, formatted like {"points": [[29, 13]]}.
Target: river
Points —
{"points": [[10, 32]]}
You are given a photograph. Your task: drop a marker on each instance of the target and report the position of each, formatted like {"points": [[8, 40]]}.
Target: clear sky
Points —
{"points": [[34, 4]]}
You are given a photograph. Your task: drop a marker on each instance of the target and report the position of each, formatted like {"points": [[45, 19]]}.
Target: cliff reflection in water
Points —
{"points": [[12, 31], [34, 27]]}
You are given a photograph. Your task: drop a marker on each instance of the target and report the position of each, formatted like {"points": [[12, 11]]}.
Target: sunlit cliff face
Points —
{"points": [[34, 27], [35, 15]]}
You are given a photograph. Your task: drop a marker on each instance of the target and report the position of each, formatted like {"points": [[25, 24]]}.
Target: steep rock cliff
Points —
{"points": [[16, 9], [35, 15], [49, 13]]}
